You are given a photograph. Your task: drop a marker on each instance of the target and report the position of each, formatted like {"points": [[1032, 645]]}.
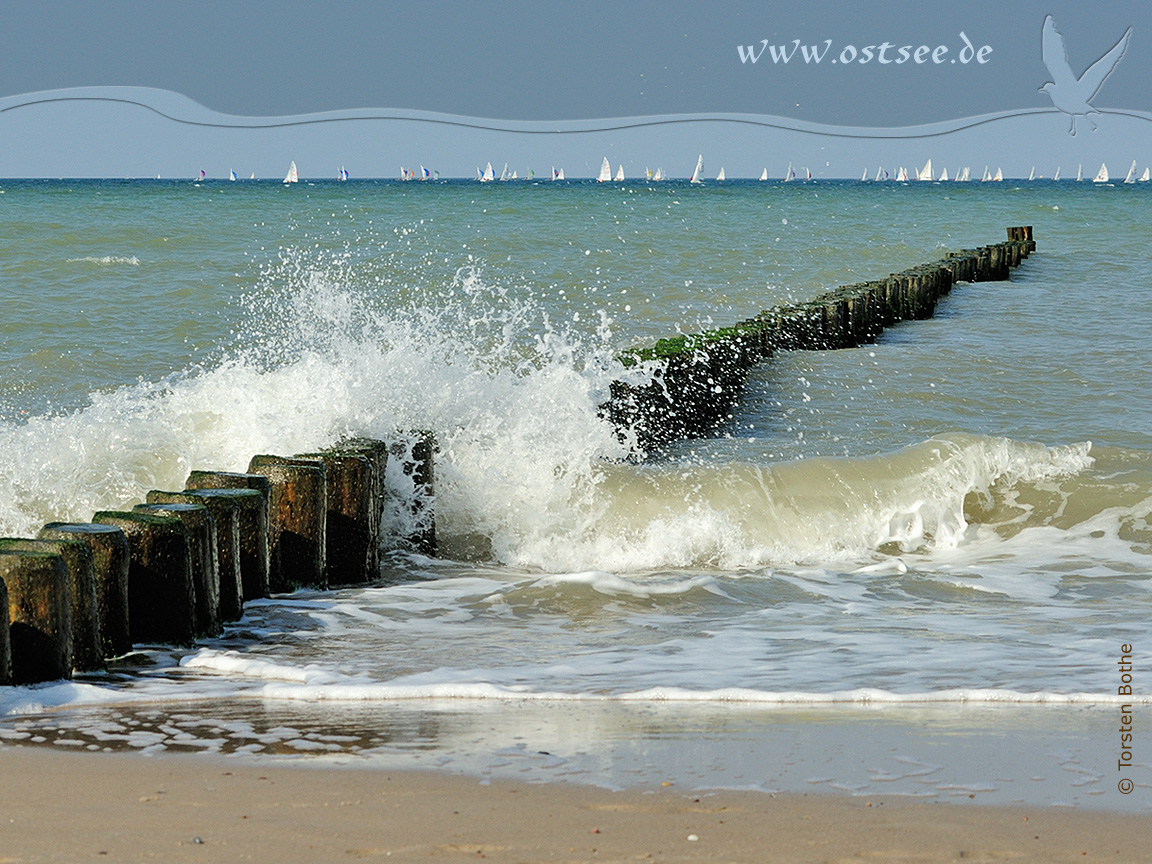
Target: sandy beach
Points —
{"points": [[127, 807]]}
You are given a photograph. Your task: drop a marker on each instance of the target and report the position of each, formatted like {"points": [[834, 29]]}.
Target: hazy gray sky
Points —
{"points": [[560, 60]]}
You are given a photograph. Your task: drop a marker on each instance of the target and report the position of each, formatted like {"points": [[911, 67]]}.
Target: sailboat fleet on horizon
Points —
{"points": [[605, 174]]}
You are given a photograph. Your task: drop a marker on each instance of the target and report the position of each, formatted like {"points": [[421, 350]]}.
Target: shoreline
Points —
{"points": [[177, 808]]}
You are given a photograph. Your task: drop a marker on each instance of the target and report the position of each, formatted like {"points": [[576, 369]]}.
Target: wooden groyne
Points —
{"points": [[698, 378], [179, 565]]}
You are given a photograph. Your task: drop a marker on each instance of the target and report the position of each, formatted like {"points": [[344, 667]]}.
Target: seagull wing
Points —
{"points": [[1056, 55], [1094, 75]]}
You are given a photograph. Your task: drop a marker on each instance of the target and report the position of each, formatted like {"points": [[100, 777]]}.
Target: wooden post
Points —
{"points": [[84, 607], [5, 643], [225, 512], [39, 612], [161, 594], [203, 558], [255, 556], [352, 511], [110, 557], [297, 523]]}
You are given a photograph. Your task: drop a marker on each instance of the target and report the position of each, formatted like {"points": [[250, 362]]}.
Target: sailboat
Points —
{"points": [[1032, 174], [504, 174], [343, 173], [1079, 175], [943, 175], [807, 174], [605, 172], [764, 174], [864, 176], [619, 178], [901, 175], [424, 173], [293, 176], [1101, 175], [698, 170], [925, 173], [789, 175], [965, 175], [720, 176], [879, 171], [1056, 176], [1131, 178], [1144, 176], [659, 175], [201, 177], [998, 176], [488, 176], [232, 175], [987, 176]]}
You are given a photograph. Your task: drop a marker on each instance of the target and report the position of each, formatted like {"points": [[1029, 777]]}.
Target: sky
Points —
{"points": [[521, 62]]}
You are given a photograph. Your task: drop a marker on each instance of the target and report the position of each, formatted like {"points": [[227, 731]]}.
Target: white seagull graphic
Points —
{"points": [[1070, 94]]}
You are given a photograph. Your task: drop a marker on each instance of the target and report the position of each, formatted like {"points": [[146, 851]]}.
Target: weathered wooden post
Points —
{"points": [[352, 510], [5, 644], [110, 561], [376, 452], [202, 556], [39, 612], [87, 642], [225, 512], [297, 523], [255, 555], [161, 593]]}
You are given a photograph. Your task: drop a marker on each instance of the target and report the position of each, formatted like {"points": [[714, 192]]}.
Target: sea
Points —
{"points": [[920, 567]]}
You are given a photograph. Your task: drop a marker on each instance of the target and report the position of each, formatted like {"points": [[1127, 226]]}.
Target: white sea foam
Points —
{"points": [[107, 259]]}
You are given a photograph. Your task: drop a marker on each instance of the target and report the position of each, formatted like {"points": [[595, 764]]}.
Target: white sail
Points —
{"points": [[864, 176], [902, 175], [965, 175], [789, 174], [1131, 178], [807, 174], [764, 174], [659, 175], [1101, 175], [695, 178], [943, 175], [605, 172], [720, 176], [1079, 174], [1145, 175], [489, 175], [293, 176], [1056, 176], [560, 174], [1032, 173], [232, 175], [619, 178], [504, 173], [925, 173], [986, 176], [999, 175], [879, 171]]}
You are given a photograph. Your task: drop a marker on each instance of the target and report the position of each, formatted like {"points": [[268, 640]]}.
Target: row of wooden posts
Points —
{"points": [[699, 377], [181, 564]]}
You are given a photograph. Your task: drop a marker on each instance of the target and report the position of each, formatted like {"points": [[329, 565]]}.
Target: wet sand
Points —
{"points": [[129, 807]]}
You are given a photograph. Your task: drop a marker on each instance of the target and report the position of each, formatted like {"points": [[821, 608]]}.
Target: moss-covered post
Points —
{"points": [[40, 616], [203, 557], [110, 561], [161, 593], [254, 550], [297, 521], [350, 484], [225, 512], [87, 644]]}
